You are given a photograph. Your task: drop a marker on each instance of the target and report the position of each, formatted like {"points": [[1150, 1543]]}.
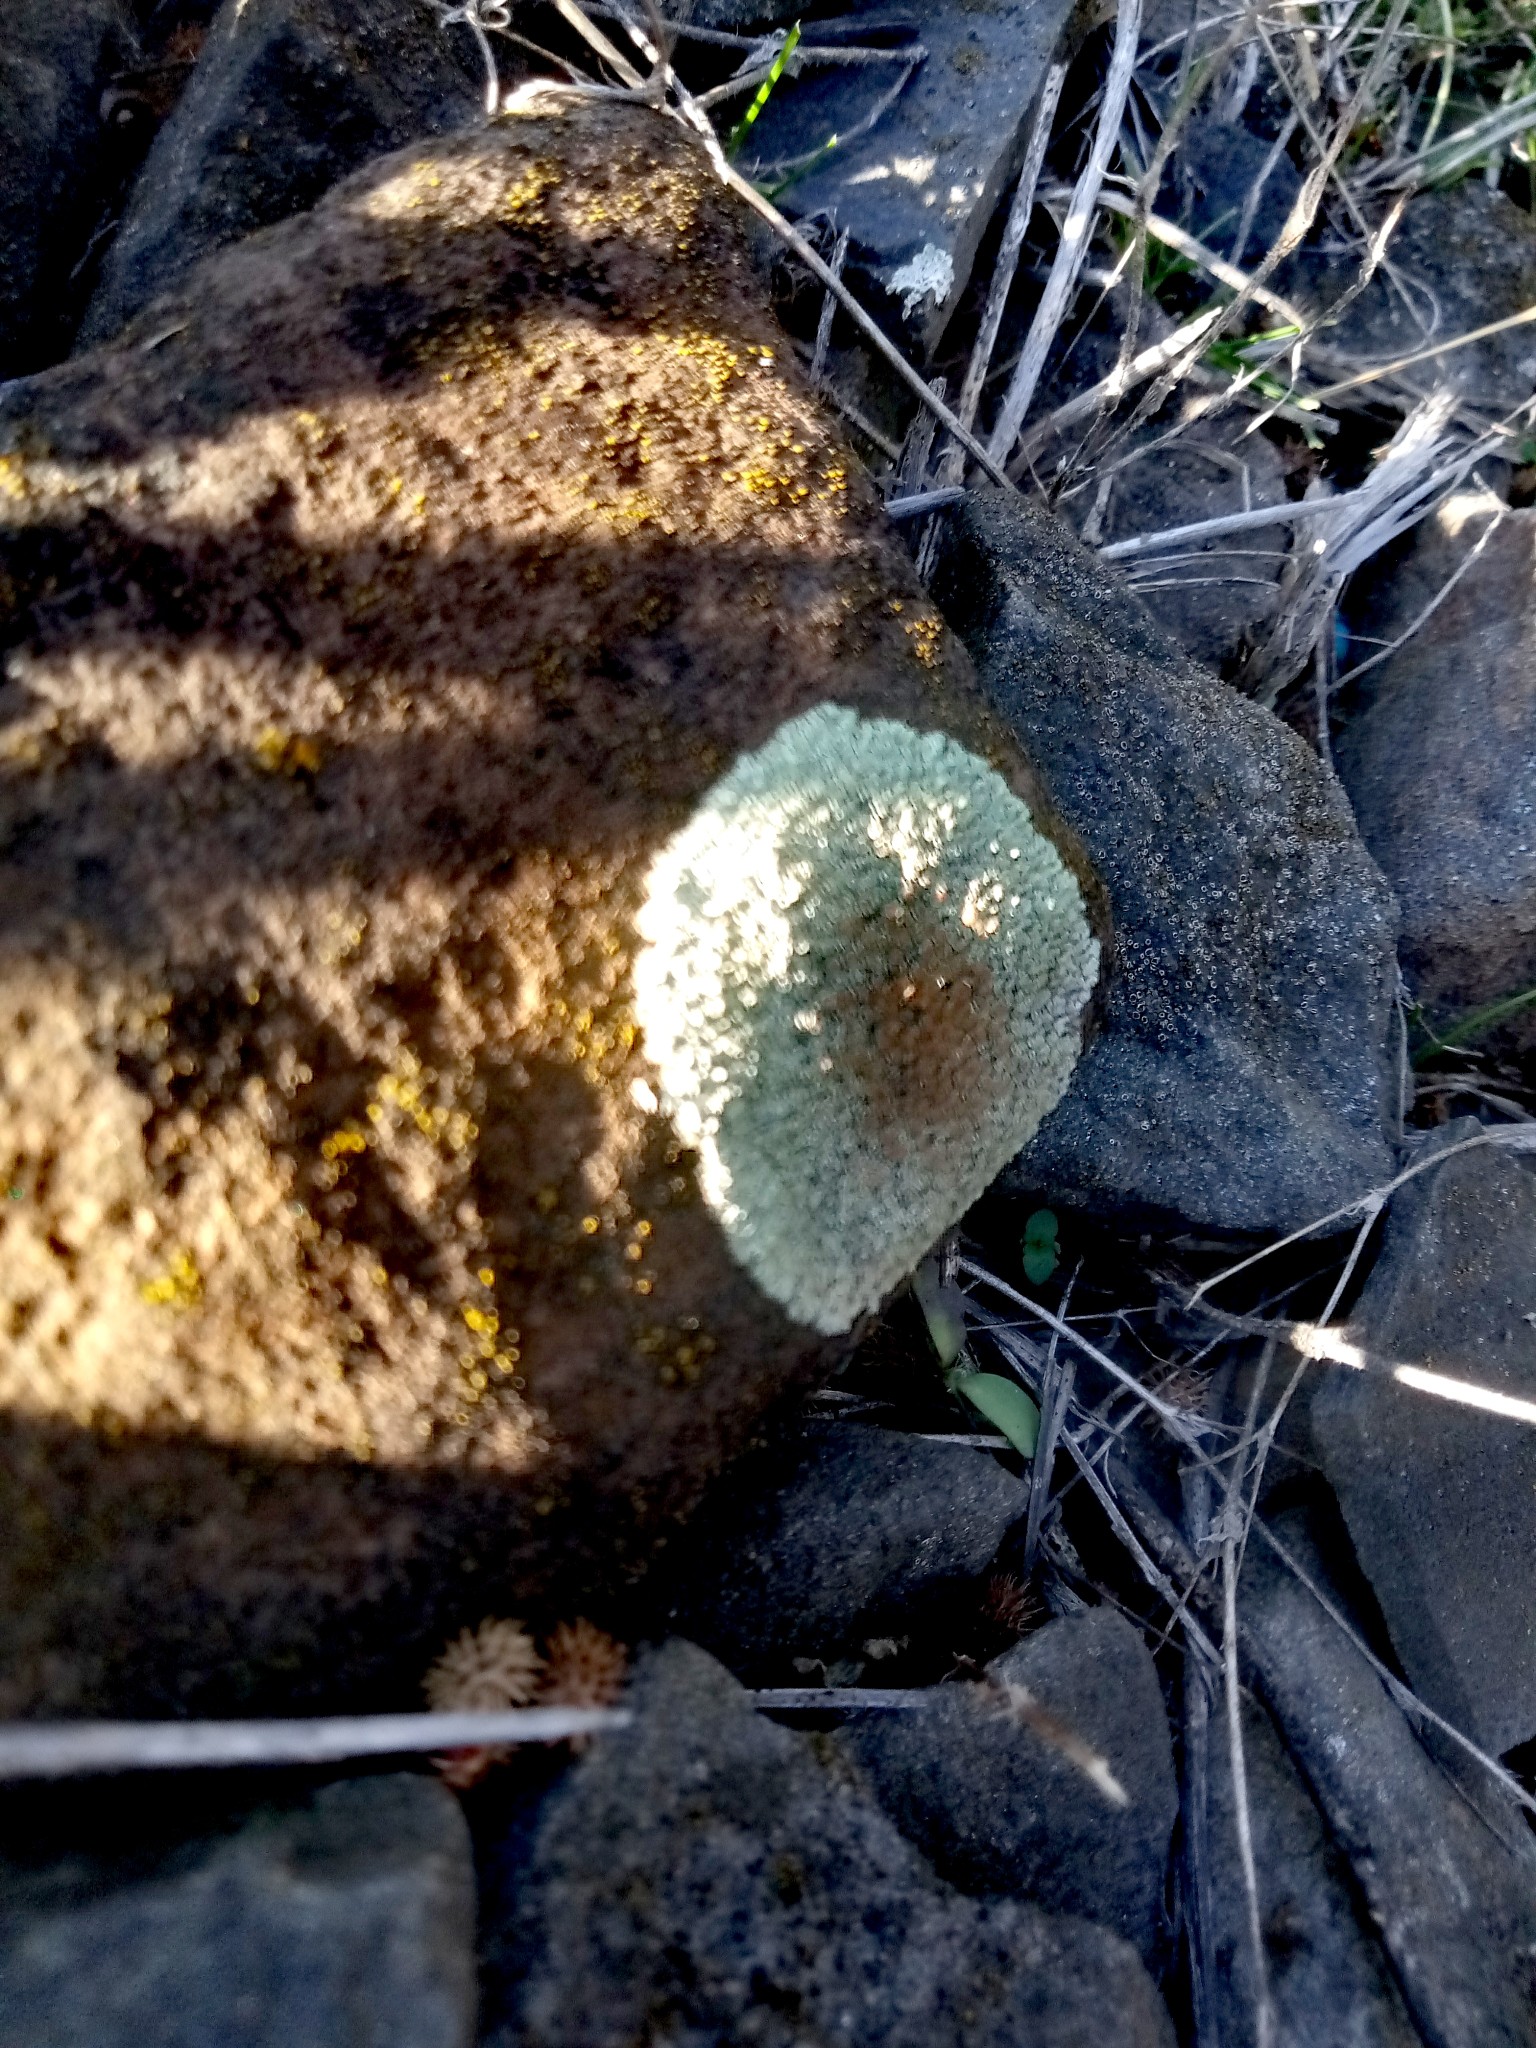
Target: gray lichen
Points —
{"points": [[861, 988]]}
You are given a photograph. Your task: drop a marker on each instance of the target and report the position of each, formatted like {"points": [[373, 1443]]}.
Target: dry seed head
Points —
{"points": [[862, 982], [486, 1670], [584, 1667]]}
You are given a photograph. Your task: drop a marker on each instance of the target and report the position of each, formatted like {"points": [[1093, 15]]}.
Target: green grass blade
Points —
{"points": [[764, 92]]}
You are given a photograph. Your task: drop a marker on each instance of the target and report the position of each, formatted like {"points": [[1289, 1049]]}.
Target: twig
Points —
{"points": [[1424, 355], [1264, 2010], [1372, 1200], [919, 502], [828, 306], [63, 1749], [1014, 231], [1075, 232], [1185, 244], [972, 1271], [1055, 1399]]}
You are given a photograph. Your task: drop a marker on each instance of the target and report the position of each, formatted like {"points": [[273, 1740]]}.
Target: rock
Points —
{"points": [[55, 62], [998, 1809], [1217, 600], [1466, 257], [1451, 1890], [916, 193], [346, 1920], [1218, 163], [287, 98], [1327, 1976], [1440, 1498], [843, 1533], [1240, 1075], [701, 1877], [373, 615], [1440, 758]]}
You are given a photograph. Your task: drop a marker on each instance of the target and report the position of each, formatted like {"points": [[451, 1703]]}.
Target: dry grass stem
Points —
{"points": [[1073, 245]]}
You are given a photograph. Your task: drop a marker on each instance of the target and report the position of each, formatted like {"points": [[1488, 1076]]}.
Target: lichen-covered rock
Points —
{"points": [[1243, 1075], [374, 614], [286, 99]]}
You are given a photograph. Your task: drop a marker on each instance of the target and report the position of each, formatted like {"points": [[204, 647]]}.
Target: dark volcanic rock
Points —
{"points": [[1239, 1078], [55, 59], [998, 1809], [347, 1922], [1328, 1978], [1440, 758], [1440, 1498], [842, 1533], [287, 98], [917, 192], [1448, 1877], [1217, 600], [701, 1877], [1215, 168], [372, 613], [1467, 257]]}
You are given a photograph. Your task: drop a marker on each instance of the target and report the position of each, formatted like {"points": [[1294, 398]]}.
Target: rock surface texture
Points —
{"points": [[843, 1533], [1441, 1498], [287, 98], [702, 1877], [917, 191], [55, 59], [1469, 258], [1217, 600], [1448, 1877], [371, 615], [1239, 1076], [1440, 758], [344, 1922], [1327, 1976], [997, 1808]]}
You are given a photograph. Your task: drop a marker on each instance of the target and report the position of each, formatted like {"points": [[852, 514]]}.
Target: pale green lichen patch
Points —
{"points": [[862, 983]]}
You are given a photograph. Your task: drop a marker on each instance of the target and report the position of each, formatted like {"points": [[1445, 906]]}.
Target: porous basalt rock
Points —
{"points": [[372, 615], [1244, 1073]]}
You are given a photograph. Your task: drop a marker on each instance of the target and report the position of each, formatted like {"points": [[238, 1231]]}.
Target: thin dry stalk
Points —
{"points": [[1014, 231], [1372, 1200], [1073, 245], [828, 309]]}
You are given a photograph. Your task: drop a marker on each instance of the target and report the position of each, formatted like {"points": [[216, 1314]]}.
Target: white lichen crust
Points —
{"points": [[861, 987]]}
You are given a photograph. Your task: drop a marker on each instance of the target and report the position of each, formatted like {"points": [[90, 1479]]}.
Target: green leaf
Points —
{"points": [[764, 92], [1041, 1250], [1005, 1405]]}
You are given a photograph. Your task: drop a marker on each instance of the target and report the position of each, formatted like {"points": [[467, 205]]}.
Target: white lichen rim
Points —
{"points": [[778, 925]]}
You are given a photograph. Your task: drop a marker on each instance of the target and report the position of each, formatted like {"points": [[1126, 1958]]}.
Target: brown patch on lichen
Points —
{"points": [[920, 1032], [373, 611]]}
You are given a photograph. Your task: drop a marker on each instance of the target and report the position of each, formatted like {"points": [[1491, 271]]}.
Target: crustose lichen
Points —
{"points": [[861, 986]]}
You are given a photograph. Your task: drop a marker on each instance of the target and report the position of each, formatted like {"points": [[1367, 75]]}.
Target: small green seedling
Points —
{"points": [[1041, 1251]]}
